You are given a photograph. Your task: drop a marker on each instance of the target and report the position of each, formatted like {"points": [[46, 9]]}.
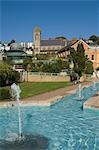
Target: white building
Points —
{"points": [[4, 47]]}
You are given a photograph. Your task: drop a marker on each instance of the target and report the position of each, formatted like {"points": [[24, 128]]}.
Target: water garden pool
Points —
{"points": [[65, 125]]}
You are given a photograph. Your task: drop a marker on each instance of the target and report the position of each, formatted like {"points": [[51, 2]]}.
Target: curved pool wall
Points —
{"points": [[65, 124]]}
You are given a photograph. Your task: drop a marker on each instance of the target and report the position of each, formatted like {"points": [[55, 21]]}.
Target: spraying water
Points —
{"points": [[79, 91], [79, 97], [16, 94], [94, 85]]}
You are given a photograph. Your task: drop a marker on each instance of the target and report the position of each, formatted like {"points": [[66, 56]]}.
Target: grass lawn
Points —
{"points": [[34, 88], [31, 89]]}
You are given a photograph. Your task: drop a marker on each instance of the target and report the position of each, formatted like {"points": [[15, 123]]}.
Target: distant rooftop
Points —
{"points": [[52, 43]]}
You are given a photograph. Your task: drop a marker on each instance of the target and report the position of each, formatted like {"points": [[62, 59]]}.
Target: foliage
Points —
{"points": [[78, 59], [54, 67], [61, 38], [50, 66], [45, 56], [7, 74], [12, 41], [26, 62], [89, 67], [37, 67], [95, 39], [42, 56], [4, 93]]}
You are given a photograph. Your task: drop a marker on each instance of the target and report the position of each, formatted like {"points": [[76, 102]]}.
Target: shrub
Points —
{"points": [[8, 75], [4, 94], [89, 67]]}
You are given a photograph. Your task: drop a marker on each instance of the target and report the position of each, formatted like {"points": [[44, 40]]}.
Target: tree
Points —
{"points": [[63, 64], [78, 58], [12, 41], [51, 67], [27, 61], [61, 38], [27, 64], [93, 38], [89, 67], [7, 74]]}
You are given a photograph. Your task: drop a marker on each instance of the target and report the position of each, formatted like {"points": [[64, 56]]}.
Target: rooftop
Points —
{"points": [[52, 43]]}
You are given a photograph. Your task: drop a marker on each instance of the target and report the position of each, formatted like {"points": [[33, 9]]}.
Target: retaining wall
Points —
{"points": [[45, 78]]}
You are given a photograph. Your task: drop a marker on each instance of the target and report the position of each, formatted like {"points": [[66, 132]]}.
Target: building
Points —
{"points": [[28, 47], [59, 47], [2, 55], [4, 46], [91, 51], [16, 55], [46, 46]]}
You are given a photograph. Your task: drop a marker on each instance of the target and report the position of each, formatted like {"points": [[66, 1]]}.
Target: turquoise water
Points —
{"points": [[66, 125]]}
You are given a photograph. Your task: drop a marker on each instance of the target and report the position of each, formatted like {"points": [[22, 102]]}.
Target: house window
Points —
{"points": [[92, 57], [86, 56]]}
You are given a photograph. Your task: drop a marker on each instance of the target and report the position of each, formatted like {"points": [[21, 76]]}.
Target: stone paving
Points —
{"points": [[92, 102]]}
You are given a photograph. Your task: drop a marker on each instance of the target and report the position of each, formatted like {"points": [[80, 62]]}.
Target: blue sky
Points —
{"points": [[55, 18]]}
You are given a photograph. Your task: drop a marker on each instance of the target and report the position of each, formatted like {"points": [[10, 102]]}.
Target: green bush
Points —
{"points": [[89, 67], [8, 75], [4, 94]]}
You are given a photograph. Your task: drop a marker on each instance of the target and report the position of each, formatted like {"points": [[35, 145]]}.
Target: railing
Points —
{"points": [[44, 74]]}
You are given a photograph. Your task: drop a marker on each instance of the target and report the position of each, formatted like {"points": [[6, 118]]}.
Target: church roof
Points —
{"points": [[37, 29], [52, 43]]}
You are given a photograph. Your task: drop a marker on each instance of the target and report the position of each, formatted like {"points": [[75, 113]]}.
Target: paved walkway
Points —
{"points": [[92, 102]]}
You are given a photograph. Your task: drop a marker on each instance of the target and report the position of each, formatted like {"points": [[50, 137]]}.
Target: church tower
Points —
{"points": [[37, 39]]}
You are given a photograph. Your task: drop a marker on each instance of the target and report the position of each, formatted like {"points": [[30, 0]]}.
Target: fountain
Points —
{"points": [[79, 97], [94, 85], [16, 94], [18, 141], [39, 120]]}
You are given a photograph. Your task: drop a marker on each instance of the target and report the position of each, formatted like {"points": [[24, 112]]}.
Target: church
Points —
{"points": [[46, 46]]}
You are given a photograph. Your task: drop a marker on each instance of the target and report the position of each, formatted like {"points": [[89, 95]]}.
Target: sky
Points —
{"points": [[69, 18]]}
